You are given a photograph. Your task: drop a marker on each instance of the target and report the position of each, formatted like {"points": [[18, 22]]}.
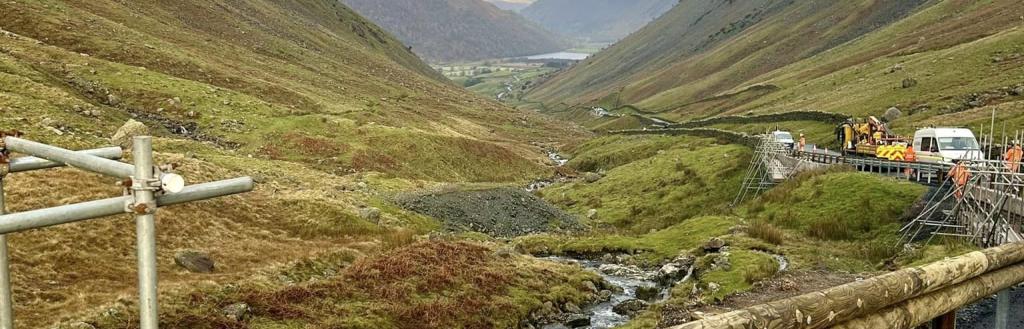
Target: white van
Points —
{"points": [[946, 145], [784, 138]]}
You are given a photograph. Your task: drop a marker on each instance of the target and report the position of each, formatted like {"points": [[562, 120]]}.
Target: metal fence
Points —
{"points": [[147, 187]]}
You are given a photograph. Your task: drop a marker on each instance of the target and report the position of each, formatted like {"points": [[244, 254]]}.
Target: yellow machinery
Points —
{"points": [[870, 137]]}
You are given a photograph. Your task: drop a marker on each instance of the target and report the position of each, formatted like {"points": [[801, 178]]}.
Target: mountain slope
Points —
{"points": [[706, 58], [713, 45], [596, 20], [451, 30], [325, 110], [260, 63]]}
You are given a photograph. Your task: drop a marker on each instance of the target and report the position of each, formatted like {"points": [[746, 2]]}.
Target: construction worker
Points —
{"points": [[802, 144], [960, 175], [1013, 157], [909, 156]]}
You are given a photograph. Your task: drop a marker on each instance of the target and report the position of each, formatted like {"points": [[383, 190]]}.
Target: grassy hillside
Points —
{"points": [[325, 88], [596, 20], [325, 110], [459, 30], [651, 182], [707, 58], [425, 285]]}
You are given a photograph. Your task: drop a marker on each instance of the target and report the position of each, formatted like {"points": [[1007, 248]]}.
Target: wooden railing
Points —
{"points": [[902, 299]]}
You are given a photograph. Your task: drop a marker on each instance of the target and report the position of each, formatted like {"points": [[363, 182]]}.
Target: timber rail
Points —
{"points": [[903, 299]]}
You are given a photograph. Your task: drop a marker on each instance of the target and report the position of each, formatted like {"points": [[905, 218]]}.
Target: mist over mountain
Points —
{"points": [[459, 30], [596, 20], [510, 5]]}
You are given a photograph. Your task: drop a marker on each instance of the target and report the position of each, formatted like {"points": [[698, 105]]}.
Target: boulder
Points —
{"points": [[605, 295], [591, 287], [722, 262], [504, 252], [892, 114], [576, 320], [591, 177], [124, 135], [194, 261], [630, 307], [237, 311], [647, 293], [113, 100], [1017, 91], [570, 307], [671, 272], [48, 122], [592, 214], [714, 287], [548, 309], [909, 83], [370, 214], [714, 245], [629, 271]]}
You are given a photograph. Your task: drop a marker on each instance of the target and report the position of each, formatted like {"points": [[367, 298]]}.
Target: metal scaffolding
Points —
{"points": [[147, 189], [988, 210], [765, 169]]}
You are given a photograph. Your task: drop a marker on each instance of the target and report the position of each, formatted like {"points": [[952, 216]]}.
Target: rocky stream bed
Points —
{"points": [[634, 289]]}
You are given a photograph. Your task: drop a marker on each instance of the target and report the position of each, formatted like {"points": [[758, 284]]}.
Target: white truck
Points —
{"points": [[946, 144]]}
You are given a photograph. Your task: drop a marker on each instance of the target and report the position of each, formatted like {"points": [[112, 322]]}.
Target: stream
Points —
{"points": [[602, 315], [542, 183], [557, 158], [628, 280]]}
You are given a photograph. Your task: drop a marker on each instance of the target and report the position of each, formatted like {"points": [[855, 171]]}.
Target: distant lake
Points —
{"points": [[564, 55]]}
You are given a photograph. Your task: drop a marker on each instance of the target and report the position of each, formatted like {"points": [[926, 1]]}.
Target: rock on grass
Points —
{"points": [[194, 261], [123, 136]]}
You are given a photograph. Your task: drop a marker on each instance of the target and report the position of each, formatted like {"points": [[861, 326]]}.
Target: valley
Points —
{"points": [[505, 164], [508, 79]]}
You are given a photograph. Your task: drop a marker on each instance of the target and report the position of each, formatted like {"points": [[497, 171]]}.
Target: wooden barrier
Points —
{"points": [[918, 311], [878, 296]]}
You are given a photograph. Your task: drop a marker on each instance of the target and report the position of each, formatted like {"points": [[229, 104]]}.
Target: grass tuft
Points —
{"points": [[763, 230]]}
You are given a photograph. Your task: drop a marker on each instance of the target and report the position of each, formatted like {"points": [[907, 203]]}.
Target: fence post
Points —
{"points": [[144, 207], [6, 302], [946, 321], [1003, 309]]}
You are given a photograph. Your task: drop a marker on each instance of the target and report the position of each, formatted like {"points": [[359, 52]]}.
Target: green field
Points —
{"points": [[493, 80]]}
